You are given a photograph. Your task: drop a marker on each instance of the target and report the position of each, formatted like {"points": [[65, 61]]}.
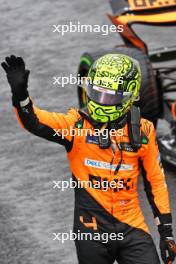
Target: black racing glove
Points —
{"points": [[17, 76], [167, 243]]}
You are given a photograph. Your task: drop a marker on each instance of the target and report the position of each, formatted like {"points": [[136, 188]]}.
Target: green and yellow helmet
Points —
{"points": [[113, 85]]}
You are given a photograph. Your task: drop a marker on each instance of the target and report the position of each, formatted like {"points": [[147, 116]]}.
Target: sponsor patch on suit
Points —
{"points": [[91, 139]]}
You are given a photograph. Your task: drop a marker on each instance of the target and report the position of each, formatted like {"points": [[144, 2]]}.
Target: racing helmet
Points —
{"points": [[112, 87]]}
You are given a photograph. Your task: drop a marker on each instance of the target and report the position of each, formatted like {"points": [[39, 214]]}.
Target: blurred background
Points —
{"points": [[30, 209]]}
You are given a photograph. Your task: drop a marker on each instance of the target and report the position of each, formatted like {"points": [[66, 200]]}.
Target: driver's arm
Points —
{"points": [[39, 122], [49, 125], [157, 193], [154, 178]]}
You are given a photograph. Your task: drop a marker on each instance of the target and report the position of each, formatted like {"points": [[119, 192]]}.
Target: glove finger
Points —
{"points": [[164, 257], [11, 61], [20, 63], [8, 60], [171, 255], [5, 66]]}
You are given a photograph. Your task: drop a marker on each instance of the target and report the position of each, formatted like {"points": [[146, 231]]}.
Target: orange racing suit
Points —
{"points": [[96, 208]]}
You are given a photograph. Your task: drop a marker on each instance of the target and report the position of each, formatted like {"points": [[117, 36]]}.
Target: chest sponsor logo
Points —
{"points": [[106, 166]]}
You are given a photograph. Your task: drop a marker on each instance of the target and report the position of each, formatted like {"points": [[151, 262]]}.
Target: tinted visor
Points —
{"points": [[106, 96]]}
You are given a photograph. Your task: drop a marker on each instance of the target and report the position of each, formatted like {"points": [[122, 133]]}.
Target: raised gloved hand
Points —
{"points": [[167, 243], [17, 76]]}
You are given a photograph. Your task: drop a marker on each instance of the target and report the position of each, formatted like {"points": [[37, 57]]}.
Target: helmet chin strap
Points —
{"points": [[104, 126], [104, 140], [117, 124]]}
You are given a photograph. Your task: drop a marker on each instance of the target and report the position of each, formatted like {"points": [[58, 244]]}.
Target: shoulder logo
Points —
{"points": [[144, 138], [91, 139], [79, 124]]}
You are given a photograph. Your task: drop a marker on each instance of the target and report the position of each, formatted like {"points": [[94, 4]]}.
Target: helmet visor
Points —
{"points": [[106, 96]]}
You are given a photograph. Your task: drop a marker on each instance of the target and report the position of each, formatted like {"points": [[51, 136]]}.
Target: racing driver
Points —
{"points": [[115, 158]]}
